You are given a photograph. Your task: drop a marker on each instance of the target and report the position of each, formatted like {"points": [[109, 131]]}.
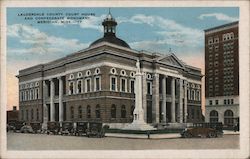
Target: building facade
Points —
{"points": [[222, 74], [97, 84]]}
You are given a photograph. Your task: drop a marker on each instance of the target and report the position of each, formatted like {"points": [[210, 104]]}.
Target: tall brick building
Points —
{"points": [[97, 84], [222, 73]]}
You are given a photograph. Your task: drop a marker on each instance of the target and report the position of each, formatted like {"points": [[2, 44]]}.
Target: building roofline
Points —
{"points": [[221, 26]]}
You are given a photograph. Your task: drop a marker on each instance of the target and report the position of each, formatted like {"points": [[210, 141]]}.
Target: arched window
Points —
{"points": [[32, 114], [72, 112], [213, 116], [37, 114], [97, 111], [88, 112], [229, 118], [123, 111], [113, 111], [80, 112]]}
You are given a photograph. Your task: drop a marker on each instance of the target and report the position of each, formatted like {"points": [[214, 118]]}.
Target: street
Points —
{"points": [[19, 141]]}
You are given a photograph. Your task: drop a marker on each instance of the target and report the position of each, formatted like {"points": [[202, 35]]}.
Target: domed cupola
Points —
{"points": [[109, 27]]}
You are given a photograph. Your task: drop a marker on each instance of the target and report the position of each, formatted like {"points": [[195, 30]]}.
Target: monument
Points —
{"points": [[138, 114]]}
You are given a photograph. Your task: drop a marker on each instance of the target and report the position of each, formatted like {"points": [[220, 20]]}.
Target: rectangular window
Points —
{"points": [[113, 84], [216, 102], [132, 86], [88, 85], [210, 102], [123, 85], [149, 88], [97, 84], [232, 101], [225, 101]]}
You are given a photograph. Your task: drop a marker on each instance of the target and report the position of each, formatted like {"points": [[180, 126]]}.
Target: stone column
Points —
{"points": [[60, 99], [45, 109], [181, 101], [52, 105], [144, 95], [173, 100], [164, 100], [185, 101], [155, 99]]}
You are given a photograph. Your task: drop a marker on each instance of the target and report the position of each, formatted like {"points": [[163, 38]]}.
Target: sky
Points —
{"points": [[152, 29]]}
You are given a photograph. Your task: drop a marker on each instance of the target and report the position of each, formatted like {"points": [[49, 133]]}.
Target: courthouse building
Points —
{"points": [[97, 84], [222, 74]]}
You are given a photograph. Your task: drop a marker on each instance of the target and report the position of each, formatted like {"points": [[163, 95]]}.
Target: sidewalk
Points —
{"points": [[144, 136], [158, 136]]}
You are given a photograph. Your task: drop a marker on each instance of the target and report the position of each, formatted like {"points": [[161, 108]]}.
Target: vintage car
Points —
{"points": [[81, 128], [210, 130], [26, 129], [53, 127], [96, 129], [36, 126], [67, 128], [16, 125]]}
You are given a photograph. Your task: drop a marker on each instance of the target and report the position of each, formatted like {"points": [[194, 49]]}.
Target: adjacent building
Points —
{"points": [[12, 115], [97, 84], [222, 74]]}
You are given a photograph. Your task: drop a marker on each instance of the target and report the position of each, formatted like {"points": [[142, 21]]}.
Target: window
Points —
{"points": [[97, 71], [37, 93], [71, 88], [192, 113], [210, 102], [113, 111], [80, 112], [229, 118], [113, 70], [149, 88], [97, 84], [213, 116], [32, 114], [210, 40], [97, 111], [37, 114], [216, 102], [79, 86], [232, 101], [31, 94], [79, 74], [88, 112], [123, 85], [123, 111], [132, 74], [132, 110], [132, 86], [149, 76], [123, 73], [88, 73], [72, 112], [88, 85], [71, 76], [113, 83]]}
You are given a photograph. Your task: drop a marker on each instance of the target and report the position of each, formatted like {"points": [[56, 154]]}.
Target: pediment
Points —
{"points": [[171, 60]]}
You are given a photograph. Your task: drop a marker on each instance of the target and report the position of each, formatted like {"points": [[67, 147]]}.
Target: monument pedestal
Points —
{"points": [[139, 125]]}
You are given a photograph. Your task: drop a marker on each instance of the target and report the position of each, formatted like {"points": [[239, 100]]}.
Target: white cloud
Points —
{"points": [[218, 16], [40, 42], [171, 32]]}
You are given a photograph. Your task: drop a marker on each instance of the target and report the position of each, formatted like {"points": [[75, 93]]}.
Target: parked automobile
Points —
{"points": [[210, 130], [26, 129], [53, 127], [67, 128], [81, 128], [96, 129], [36, 126], [10, 128], [16, 125]]}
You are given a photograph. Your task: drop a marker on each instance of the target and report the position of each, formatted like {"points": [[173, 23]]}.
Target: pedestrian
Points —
{"points": [[148, 133]]}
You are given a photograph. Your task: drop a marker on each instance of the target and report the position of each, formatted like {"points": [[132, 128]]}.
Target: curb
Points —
{"points": [[143, 136]]}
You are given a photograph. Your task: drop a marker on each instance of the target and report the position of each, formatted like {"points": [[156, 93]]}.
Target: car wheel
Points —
{"points": [[187, 135], [211, 134]]}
